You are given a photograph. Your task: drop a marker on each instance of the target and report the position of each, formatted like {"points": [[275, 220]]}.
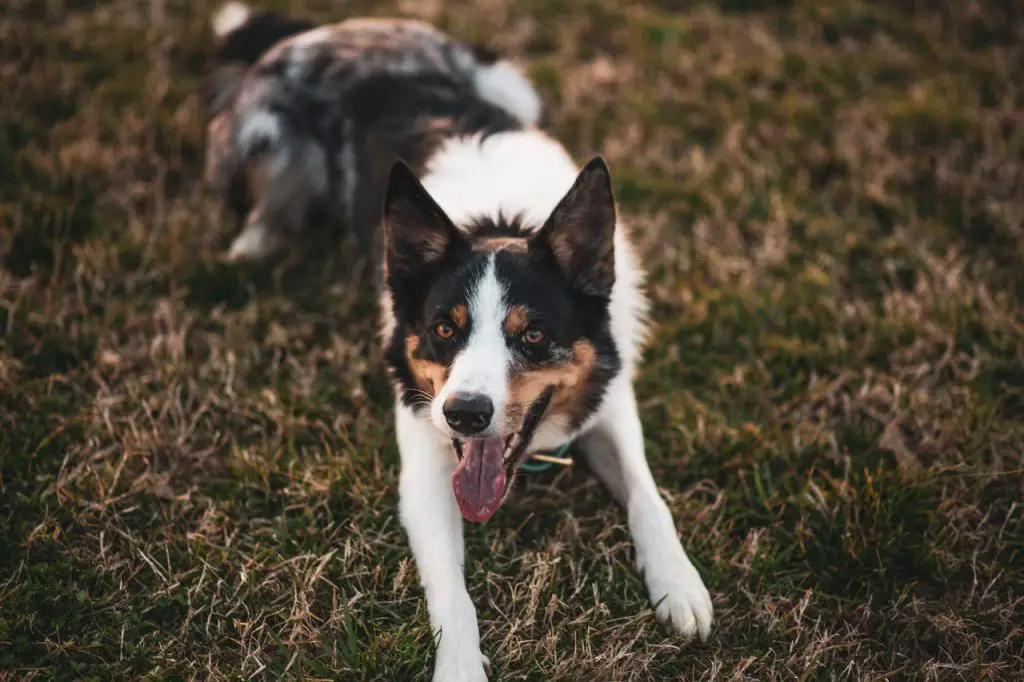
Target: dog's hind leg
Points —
{"points": [[614, 449]]}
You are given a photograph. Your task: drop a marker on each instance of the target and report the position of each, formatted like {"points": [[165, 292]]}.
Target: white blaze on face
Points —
{"points": [[482, 366]]}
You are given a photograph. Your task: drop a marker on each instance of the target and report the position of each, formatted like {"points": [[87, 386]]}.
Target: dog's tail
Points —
{"points": [[498, 82], [243, 37], [229, 17]]}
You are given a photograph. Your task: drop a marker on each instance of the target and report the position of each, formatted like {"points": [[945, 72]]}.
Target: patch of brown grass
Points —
{"points": [[196, 463]]}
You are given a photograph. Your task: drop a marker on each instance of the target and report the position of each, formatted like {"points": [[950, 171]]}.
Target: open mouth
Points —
{"points": [[487, 465], [485, 470]]}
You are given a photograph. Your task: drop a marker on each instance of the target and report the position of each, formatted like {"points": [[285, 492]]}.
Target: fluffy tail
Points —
{"points": [[243, 37], [497, 81]]}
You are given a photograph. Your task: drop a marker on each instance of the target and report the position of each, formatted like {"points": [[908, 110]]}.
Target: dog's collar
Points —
{"points": [[538, 462]]}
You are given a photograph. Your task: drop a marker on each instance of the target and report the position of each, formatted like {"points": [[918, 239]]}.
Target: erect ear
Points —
{"points": [[416, 230], [581, 231]]}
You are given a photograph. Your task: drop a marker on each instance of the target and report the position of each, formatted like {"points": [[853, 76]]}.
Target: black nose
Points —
{"points": [[468, 413]]}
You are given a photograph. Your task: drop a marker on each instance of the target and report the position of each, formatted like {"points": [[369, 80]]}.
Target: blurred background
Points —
{"points": [[197, 465]]}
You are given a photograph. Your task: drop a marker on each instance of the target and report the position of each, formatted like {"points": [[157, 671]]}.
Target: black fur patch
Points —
{"points": [[401, 117], [259, 33], [399, 107], [484, 55]]}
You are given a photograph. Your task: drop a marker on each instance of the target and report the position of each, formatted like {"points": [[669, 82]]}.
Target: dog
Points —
{"points": [[301, 117], [512, 307]]}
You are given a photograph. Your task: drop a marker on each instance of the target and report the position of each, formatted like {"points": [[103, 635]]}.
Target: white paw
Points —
{"points": [[255, 242], [678, 594], [453, 665]]}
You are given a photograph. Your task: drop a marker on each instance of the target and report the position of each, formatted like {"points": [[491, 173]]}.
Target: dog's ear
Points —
{"points": [[417, 232], [581, 231]]}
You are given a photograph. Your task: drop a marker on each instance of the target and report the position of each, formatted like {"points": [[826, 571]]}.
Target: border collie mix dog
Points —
{"points": [[513, 315], [304, 120]]}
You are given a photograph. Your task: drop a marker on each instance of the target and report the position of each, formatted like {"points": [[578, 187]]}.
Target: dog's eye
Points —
{"points": [[533, 336], [443, 330]]}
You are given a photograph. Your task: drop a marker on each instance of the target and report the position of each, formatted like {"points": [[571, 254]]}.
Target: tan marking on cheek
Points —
{"points": [[514, 244], [569, 381], [459, 315], [517, 320], [430, 376]]}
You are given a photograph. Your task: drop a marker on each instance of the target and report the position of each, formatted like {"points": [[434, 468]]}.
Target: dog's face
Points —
{"points": [[500, 330]]}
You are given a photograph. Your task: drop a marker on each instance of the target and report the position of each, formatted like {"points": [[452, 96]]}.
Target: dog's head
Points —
{"points": [[500, 332]]}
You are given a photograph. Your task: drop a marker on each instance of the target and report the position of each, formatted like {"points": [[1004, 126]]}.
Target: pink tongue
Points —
{"points": [[479, 480]]}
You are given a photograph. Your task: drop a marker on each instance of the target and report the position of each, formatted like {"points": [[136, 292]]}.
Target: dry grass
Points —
{"points": [[197, 471]]}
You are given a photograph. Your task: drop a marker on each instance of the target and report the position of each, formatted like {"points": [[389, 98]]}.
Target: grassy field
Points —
{"points": [[197, 470]]}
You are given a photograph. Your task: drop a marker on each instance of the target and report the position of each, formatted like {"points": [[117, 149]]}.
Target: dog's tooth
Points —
{"points": [[513, 443]]}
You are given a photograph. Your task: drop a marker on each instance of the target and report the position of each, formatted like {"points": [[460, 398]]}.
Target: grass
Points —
{"points": [[197, 470]]}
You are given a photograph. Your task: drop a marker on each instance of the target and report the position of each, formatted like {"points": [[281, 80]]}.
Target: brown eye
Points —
{"points": [[443, 330], [533, 335]]}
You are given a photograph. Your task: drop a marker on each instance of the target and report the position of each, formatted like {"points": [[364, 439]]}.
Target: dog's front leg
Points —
{"points": [[433, 523], [615, 450]]}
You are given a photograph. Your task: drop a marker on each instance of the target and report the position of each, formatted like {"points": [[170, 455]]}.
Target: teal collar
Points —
{"points": [[536, 466]]}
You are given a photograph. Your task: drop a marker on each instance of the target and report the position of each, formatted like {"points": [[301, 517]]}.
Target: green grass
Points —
{"points": [[197, 470]]}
